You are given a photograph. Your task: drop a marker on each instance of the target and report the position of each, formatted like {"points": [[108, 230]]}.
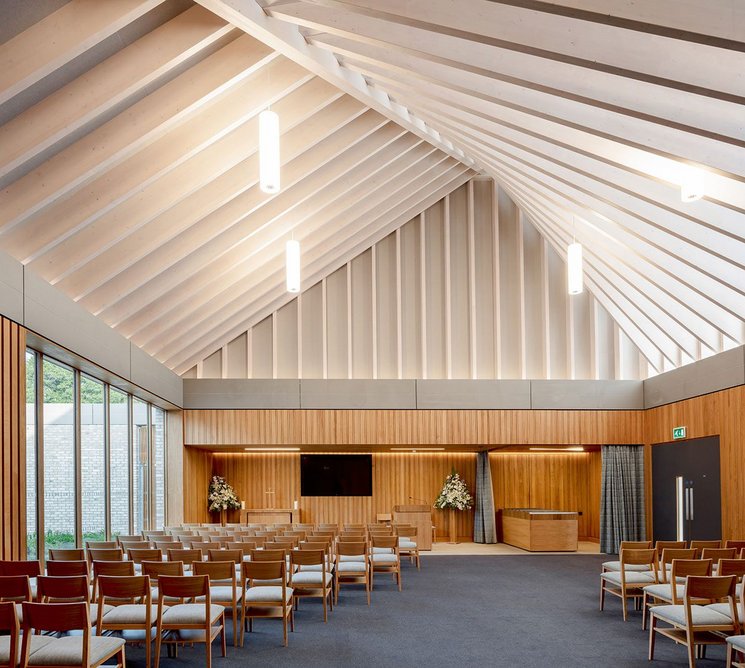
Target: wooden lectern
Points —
{"points": [[419, 516]]}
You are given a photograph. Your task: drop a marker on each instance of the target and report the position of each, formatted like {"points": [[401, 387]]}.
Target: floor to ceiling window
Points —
{"points": [[95, 459]]}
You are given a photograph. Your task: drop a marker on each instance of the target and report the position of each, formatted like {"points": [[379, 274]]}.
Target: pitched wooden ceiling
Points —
{"points": [[128, 158]]}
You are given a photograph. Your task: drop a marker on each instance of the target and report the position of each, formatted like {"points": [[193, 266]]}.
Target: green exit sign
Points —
{"points": [[678, 433]]}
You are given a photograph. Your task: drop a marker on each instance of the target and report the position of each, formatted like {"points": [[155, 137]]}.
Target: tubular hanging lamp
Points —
{"points": [[574, 268], [269, 152], [292, 265]]}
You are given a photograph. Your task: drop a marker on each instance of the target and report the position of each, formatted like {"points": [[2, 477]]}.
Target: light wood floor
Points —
{"points": [[500, 548]]}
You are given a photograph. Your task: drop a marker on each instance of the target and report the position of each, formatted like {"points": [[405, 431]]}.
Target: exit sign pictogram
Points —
{"points": [[679, 432]]}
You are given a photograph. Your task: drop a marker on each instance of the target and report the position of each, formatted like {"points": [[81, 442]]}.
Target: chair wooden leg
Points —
{"points": [[292, 621], [148, 648], [158, 638], [284, 627], [645, 610], [235, 627], [325, 613], [625, 606], [602, 596], [691, 650], [223, 637], [208, 645], [652, 624]]}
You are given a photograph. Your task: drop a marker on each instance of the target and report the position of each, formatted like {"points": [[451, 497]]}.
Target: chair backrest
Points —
{"points": [[300, 535], [719, 553], [183, 586], [354, 532], [105, 554], [203, 547], [234, 556], [351, 527], [699, 545], [113, 568], [266, 534], [384, 541], [15, 588], [290, 541], [150, 534], [406, 532], [150, 554], [50, 588], [668, 554], [68, 568], [661, 545], [731, 567], [267, 555], [57, 617], [645, 557], [315, 545], [352, 549], [264, 571], [737, 544], [67, 555], [124, 588], [634, 545], [244, 546], [9, 625], [100, 544], [308, 558], [165, 545], [219, 540], [187, 557], [31, 568], [131, 538], [711, 588], [158, 569], [216, 570]]}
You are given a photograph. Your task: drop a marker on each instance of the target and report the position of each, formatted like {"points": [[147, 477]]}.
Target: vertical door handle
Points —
{"points": [[690, 504]]}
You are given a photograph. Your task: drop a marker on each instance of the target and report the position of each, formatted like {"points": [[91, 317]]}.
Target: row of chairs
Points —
{"points": [[692, 590]]}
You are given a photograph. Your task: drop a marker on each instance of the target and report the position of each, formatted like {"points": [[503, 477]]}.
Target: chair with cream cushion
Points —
{"points": [[266, 600], [31, 568], [407, 544], [629, 581], [224, 588], [187, 556], [667, 592], [66, 589], [626, 544], [68, 567], [385, 558], [131, 610], [695, 625], [138, 555], [736, 643], [84, 650], [115, 568], [67, 555], [10, 637], [155, 569], [312, 583], [186, 623], [715, 554], [352, 566], [17, 589], [699, 545]]}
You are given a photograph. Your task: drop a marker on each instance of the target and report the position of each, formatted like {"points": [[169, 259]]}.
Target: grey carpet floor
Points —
{"points": [[461, 610]]}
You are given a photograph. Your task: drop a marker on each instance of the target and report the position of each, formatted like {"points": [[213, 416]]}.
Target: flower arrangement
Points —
{"points": [[221, 496], [454, 494]]}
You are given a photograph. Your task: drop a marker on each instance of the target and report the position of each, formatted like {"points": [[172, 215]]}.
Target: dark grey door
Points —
{"points": [[686, 490]]}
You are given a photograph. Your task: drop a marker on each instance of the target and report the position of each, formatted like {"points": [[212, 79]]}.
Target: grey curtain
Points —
{"points": [[621, 496], [484, 522]]}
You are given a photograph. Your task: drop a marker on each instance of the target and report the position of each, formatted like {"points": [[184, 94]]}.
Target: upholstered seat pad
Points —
{"points": [[37, 642], [614, 577], [310, 578], [384, 559], [721, 608], [94, 611], [352, 567], [221, 593], [352, 557], [68, 651], [382, 550], [267, 594], [274, 582], [700, 615], [738, 642], [665, 591], [316, 568], [130, 613], [190, 613], [616, 566]]}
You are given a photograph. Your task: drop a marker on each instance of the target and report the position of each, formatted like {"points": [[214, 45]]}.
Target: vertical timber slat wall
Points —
{"points": [[13, 443], [466, 289]]}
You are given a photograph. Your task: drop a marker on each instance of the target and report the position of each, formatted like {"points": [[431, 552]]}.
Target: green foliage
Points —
{"points": [[58, 387], [58, 540]]}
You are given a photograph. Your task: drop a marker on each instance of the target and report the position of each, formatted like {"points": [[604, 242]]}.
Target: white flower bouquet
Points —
{"points": [[454, 494], [221, 496]]}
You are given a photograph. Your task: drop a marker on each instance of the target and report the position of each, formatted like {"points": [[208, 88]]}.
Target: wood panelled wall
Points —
{"points": [[411, 427], [720, 413], [397, 477], [13, 439], [561, 481]]}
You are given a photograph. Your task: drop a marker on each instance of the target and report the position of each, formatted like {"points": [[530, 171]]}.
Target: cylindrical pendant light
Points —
{"points": [[292, 261], [269, 152], [574, 268]]}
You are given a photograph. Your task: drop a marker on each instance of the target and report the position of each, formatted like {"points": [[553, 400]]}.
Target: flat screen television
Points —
{"points": [[336, 475]]}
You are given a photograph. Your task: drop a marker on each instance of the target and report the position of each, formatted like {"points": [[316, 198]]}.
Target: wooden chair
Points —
{"points": [[223, 587], [407, 544], [101, 544], [17, 589], [137, 556], [387, 561], [203, 547], [155, 569], [188, 622], [185, 556], [266, 534], [627, 583], [10, 637], [630, 545], [352, 570], [325, 547], [219, 540], [62, 568], [266, 600], [312, 583], [736, 643], [128, 545], [67, 555], [118, 569], [290, 541], [165, 545], [131, 611], [715, 554], [696, 625], [105, 554], [673, 590], [85, 650], [156, 535], [244, 546], [67, 589], [699, 545], [132, 538]]}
